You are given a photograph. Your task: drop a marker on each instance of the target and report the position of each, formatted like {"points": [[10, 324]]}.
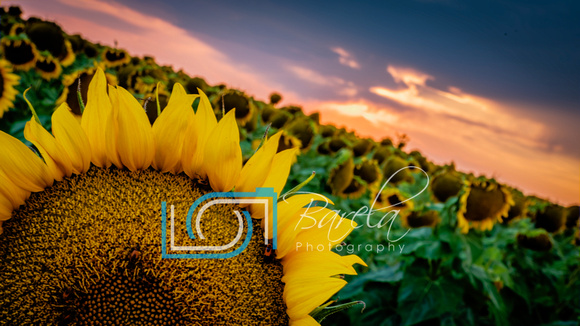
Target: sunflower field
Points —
{"points": [[442, 247]]}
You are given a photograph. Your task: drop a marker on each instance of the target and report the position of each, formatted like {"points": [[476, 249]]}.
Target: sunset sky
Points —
{"points": [[493, 86]]}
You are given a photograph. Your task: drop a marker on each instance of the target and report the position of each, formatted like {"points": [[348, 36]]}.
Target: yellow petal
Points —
{"points": [[223, 155], [52, 152], [96, 119], [135, 143], [5, 209], [287, 209], [16, 195], [111, 137], [302, 297], [318, 264], [197, 136], [169, 130], [304, 321], [277, 176], [70, 135], [311, 229], [253, 175], [22, 166]]}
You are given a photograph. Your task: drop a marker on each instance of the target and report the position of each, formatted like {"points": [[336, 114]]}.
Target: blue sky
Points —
{"points": [[491, 85]]}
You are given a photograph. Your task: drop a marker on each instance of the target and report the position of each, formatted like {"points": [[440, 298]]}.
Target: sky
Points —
{"points": [[493, 86]]}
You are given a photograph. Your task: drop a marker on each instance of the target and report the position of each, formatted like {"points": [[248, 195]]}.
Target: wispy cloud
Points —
{"points": [[345, 58], [453, 103], [341, 86]]}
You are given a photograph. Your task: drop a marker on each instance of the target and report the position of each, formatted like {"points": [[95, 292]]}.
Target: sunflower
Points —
{"points": [[419, 219], [482, 204], [80, 238], [397, 170], [8, 81], [303, 129], [115, 57], [68, 56], [366, 175], [71, 85], [48, 67], [447, 184], [390, 198], [233, 99], [21, 53], [552, 218]]}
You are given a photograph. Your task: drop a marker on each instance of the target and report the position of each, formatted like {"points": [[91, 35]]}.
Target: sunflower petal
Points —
{"points": [[169, 130], [52, 152], [302, 297], [16, 195], [318, 264], [5, 209], [135, 142], [197, 136], [223, 158], [313, 227], [277, 176], [253, 175], [304, 321], [70, 135], [96, 119], [22, 166]]}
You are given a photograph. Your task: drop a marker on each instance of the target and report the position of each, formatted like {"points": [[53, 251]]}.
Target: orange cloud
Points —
{"points": [[345, 58]]}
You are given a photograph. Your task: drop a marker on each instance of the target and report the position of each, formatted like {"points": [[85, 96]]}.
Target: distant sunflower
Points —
{"points": [[419, 219], [115, 57], [8, 92], [21, 53], [48, 67], [233, 99], [483, 204], [392, 199], [88, 214], [447, 184]]}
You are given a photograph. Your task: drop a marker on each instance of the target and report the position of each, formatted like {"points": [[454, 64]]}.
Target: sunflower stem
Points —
{"points": [[298, 187], [31, 107], [80, 97], [157, 99]]}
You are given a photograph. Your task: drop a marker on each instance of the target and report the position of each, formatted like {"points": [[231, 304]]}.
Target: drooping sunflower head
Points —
{"points": [[193, 84], [419, 219], [536, 240], [8, 82], [382, 153], [341, 175], [233, 99], [89, 212], [327, 131], [366, 176], [482, 204], [115, 57], [48, 67], [447, 184], [397, 170], [275, 98], [390, 198], [552, 218], [336, 144], [519, 208], [47, 36], [362, 147], [21, 53], [304, 129], [17, 29], [288, 141], [573, 217]]}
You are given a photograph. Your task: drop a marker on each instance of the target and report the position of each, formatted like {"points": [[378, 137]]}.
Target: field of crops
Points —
{"points": [[443, 247]]}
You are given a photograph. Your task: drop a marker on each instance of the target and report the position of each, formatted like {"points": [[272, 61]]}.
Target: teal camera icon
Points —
{"points": [[264, 196]]}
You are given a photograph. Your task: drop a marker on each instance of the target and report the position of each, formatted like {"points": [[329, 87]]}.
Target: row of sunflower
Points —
{"points": [[478, 252]]}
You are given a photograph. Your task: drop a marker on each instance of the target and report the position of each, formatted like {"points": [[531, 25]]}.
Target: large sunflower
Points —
{"points": [[81, 229], [483, 204], [7, 91]]}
